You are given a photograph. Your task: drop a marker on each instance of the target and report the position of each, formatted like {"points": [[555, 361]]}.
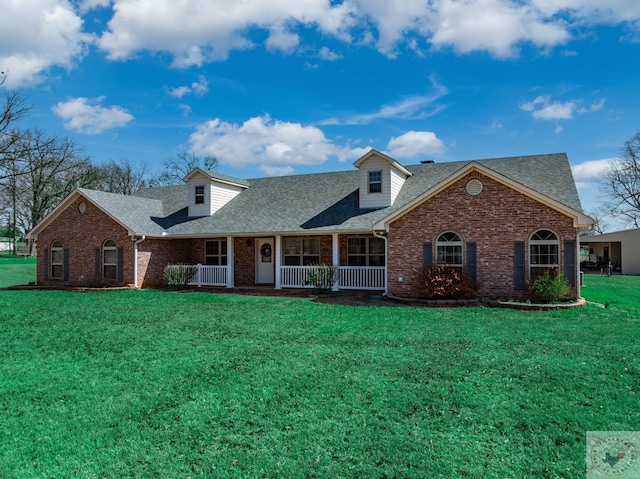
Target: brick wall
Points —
{"points": [[245, 261], [82, 234], [154, 255], [494, 219]]}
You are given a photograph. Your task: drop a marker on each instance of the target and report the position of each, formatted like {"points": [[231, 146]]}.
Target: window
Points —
{"points": [[215, 252], [57, 260], [301, 251], [109, 261], [543, 251], [365, 251], [449, 249], [199, 195], [375, 182]]}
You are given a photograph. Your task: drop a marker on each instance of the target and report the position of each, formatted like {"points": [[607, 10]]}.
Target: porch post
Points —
{"points": [[336, 257], [278, 256], [230, 262]]}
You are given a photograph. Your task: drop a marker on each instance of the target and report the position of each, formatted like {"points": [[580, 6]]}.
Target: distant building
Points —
{"points": [[622, 248]]}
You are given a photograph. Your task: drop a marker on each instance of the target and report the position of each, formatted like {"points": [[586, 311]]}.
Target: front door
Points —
{"points": [[264, 261]]}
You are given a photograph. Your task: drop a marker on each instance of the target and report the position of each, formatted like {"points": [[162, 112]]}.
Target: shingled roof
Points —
{"points": [[320, 202]]}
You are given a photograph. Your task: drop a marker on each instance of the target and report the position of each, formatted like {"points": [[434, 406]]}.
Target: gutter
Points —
{"points": [[135, 260], [378, 234]]}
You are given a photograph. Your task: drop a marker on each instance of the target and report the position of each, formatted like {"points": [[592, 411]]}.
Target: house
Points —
{"points": [[501, 220], [622, 248]]}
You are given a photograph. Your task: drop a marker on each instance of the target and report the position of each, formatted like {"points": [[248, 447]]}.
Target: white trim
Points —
{"points": [[230, 261]]}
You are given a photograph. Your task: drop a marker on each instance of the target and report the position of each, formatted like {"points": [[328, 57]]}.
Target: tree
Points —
{"points": [[622, 182], [601, 221], [175, 169], [121, 177], [13, 108], [42, 171]]}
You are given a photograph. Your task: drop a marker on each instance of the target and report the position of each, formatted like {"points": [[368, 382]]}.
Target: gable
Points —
{"points": [[579, 218]]}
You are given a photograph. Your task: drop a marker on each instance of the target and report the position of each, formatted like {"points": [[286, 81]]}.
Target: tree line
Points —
{"points": [[39, 170]]}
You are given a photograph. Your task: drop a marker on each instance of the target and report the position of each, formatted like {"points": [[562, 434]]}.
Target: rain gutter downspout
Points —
{"points": [[135, 260], [379, 234]]}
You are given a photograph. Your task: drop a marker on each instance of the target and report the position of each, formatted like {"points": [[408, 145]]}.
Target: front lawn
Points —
{"points": [[161, 384]]}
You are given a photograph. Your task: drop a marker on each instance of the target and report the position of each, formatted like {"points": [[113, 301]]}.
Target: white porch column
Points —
{"points": [[278, 256], [336, 256], [230, 262]]}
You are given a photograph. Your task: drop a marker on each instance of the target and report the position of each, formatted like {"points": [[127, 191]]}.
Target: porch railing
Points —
{"points": [[350, 277], [204, 275]]}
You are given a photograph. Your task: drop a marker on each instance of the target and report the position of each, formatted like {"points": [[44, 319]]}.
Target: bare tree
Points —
{"points": [[601, 221], [44, 170], [175, 169], [13, 108], [121, 177], [622, 182]]}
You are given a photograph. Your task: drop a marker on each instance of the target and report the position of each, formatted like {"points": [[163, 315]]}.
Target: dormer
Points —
{"points": [[381, 179], [209, 191]]}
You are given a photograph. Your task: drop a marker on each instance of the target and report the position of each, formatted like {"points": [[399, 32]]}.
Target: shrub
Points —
{"points": [[552, 287], [179, 274], [442, 282], [323, 277]]}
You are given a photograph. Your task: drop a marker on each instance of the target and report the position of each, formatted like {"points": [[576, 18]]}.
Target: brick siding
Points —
{"points": [[494, 219]]}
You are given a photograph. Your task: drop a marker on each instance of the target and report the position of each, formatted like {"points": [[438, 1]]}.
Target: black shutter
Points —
{"points": [[472, 269], [519, 266], [120, 263], [97, 271], [65, 270], [570, 261], [46, 264], [427, 254]]}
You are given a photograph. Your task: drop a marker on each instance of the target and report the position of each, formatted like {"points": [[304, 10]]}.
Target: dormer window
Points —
{"points": [[375, 182], [199, 195]]}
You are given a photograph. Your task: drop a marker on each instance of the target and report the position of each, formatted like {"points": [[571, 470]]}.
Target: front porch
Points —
{"points": [[363, 278]]}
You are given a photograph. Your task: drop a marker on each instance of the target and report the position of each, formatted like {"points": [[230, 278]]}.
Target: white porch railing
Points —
{"points": [[350, 277], [205, 275]]}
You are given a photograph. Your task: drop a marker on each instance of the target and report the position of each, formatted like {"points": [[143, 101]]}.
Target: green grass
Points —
{"points": [[16, 270], [160, 384]]}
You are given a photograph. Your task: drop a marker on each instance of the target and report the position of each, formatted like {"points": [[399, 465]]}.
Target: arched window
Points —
{"points": [[109, 261], [449, 249], [544, 249], [57, 260]]}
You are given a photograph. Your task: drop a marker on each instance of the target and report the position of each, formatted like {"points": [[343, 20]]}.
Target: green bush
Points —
{"points": [[552, 287], [443, 282], [323, 277], [179, 274]]}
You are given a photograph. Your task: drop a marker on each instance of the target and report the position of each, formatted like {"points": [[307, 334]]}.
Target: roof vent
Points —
{"points": [[427, 162]]}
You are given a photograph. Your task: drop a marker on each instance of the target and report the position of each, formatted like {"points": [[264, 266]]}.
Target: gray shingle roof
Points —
{"points": [[321, 202]]}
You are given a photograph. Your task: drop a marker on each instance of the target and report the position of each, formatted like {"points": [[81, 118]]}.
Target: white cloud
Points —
{"points": [[87, 116], [36, 35], [408, 108], [274, 145], [86, 5], [414, 144], [542, 108], [217, 27], [328, 55], [590, 172], [199, 88]]}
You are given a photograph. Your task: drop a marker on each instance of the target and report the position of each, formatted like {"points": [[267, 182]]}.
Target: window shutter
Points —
{"points": [[570, 261], [120, 263], [519, 266], [97, 271], [65, 267], [427, 254], [471, 260], [46, 264]]}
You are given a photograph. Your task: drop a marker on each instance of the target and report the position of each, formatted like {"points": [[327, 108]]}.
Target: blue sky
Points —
{"points": [[282, 87]]}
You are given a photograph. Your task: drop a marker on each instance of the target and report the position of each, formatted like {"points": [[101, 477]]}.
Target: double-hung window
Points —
{"points": [[365, 251], [57, 260], [109, 261], [375, 182], [215, 252], [449, 249], [301, 251], [199, 195], [544, 250]]}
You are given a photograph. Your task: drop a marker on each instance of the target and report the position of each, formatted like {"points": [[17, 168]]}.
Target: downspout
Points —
{"points": [[377, 234], [135, 260]]}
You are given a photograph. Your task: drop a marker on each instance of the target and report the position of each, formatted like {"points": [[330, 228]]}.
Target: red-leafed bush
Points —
{"points": [[443, 282]]}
